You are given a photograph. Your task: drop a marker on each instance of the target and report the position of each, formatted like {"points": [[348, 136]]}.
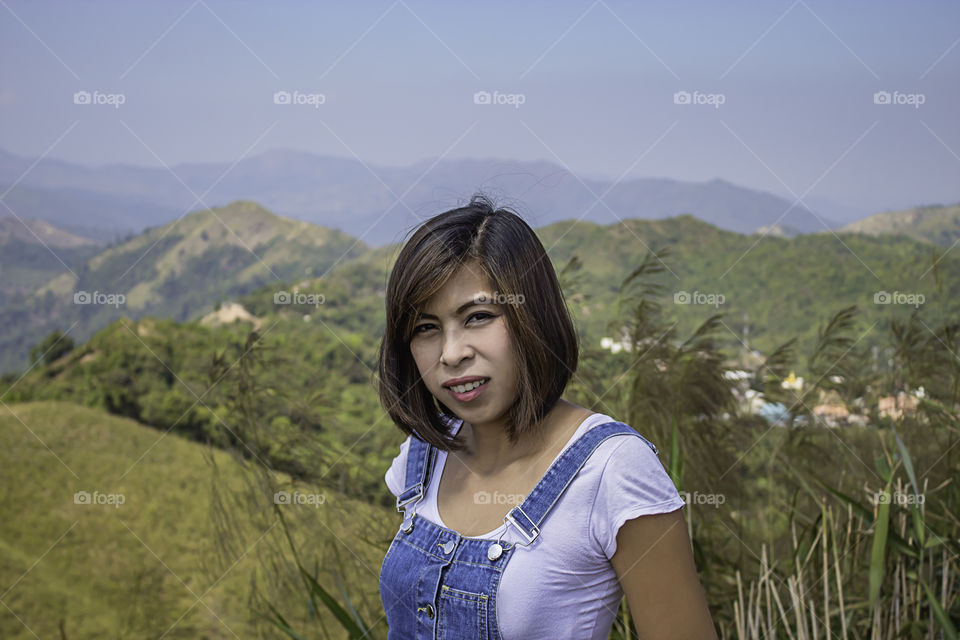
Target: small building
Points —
{"points": [[792, 382], [895, 407]]}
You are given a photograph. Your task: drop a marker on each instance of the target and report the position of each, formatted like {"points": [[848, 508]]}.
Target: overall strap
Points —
{"points": [[420, 457], [527, 516]]}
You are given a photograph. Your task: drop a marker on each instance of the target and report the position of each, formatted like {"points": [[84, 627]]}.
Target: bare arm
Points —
{"points": [[654, 563]]}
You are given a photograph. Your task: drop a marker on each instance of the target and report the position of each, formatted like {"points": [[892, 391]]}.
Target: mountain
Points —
{"points": [[936, 224], [175, 271], [784, 285], [40, 232], [379, 204], [34, 251], [781, 287]]}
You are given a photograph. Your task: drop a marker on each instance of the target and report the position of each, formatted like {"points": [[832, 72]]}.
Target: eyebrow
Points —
{"points": [[466, 305]]}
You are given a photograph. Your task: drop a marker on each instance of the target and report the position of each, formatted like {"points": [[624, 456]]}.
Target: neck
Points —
{"points": [[489, 451]]}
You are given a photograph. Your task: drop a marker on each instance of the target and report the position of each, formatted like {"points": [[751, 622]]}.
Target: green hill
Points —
{"points": [[784, 287], [176, 271], [220, 251], [775, 287], [937, 224], [134, 567]]}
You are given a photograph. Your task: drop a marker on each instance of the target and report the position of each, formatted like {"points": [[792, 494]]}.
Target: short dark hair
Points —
{"points": [[511, 256]]}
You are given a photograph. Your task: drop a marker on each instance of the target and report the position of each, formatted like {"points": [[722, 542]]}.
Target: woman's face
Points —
{"points": [[462, 333]]}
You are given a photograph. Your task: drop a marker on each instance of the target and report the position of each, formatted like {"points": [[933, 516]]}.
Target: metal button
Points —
{"points": [[448, 546], [494, 551], [407, 526], [430, 611]]}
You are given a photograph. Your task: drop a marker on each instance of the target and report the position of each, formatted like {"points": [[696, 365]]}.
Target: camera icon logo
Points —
{"points": [[281, 97], [281, 497], [681, 297], [481, 497], [881, 297], [881, 97], [81, 97], [81, 297], [681, 97], [481, 97], [81, 497], [281, 297]]}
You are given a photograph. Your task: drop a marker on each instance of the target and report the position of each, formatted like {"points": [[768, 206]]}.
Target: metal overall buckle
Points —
{"points": [[495, 550], [401, 504], [407, 525]]}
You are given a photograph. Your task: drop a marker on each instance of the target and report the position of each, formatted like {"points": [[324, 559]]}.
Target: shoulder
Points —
{"points": [[633, 455], [632, 482], [618, 447], [394, 477]]}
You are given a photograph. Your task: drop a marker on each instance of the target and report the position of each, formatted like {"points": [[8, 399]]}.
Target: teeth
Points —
{"points": [[463, 388]]}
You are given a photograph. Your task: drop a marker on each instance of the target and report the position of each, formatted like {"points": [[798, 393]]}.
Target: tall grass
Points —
{"points": [[843, 582], [844, 567]]}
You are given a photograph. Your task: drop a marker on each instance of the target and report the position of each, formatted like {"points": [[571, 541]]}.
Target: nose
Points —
{"points": [[455, 348]]}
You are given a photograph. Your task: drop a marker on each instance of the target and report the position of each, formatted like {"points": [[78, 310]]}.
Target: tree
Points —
{"points": [[51, 348]]}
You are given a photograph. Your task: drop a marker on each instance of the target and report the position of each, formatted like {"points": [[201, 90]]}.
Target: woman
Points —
{"points": [[547, 513]]}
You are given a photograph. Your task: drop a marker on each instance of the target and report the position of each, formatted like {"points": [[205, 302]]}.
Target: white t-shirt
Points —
{"points": [[565, 576]]}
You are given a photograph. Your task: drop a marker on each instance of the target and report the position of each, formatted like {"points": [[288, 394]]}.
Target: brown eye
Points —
{"points": [[417, 329]]}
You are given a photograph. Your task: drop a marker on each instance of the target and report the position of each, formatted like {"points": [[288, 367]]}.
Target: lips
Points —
{"points": [[464, 380], [468, 392], [466, 387]]}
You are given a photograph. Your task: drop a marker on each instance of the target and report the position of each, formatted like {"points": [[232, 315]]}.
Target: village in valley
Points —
{"points": [[829, 408]]}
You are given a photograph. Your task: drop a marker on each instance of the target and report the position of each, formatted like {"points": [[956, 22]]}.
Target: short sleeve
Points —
{"points": [[394, 477], [633, 483]]}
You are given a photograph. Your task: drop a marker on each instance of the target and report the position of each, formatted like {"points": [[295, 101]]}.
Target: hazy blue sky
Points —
{"points": [[597, 81]]}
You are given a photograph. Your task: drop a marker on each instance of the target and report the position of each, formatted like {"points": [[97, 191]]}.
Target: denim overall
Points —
{"points": [[439, 585]]}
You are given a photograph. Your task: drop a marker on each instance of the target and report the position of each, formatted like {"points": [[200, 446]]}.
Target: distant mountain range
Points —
{"points": [[108, 201]]}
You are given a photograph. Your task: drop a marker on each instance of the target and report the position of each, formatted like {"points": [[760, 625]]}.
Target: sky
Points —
{"points": [[854, 103]]}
